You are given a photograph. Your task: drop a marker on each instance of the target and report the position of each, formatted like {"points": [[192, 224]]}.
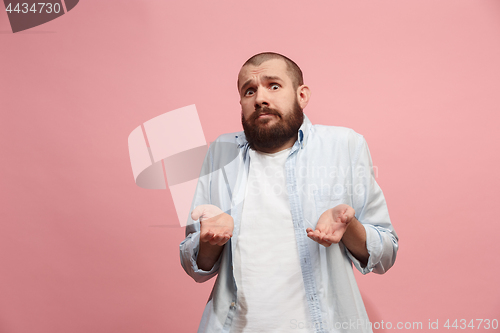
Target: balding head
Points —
{"points": [[293, 70]]}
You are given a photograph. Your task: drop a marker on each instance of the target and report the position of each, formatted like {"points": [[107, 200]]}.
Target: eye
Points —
{"points": [[274, 86], [249, 92]]}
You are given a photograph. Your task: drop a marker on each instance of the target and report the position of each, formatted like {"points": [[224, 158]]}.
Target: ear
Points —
{"points": [[303, 95]]}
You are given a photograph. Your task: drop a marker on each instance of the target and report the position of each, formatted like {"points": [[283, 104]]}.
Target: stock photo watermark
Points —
{"points": [[24, 15], [331, 181], [430, 324]]}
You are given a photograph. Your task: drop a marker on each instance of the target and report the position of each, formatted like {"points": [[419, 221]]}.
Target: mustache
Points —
{"points": [[263, 110]]}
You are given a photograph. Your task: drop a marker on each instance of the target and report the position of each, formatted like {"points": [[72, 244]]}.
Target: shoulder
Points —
{"points": [[338, 134], [226, 147], [342, 141], [229, 137]]}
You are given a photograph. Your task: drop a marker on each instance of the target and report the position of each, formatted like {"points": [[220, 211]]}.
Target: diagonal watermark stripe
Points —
{"points": [[168, 151]]}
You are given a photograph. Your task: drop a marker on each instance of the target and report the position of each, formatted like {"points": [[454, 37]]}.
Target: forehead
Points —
{"points": [[272, 67]]}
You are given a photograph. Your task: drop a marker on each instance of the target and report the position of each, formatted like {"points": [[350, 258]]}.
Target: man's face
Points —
{"points": [[270, 111]]}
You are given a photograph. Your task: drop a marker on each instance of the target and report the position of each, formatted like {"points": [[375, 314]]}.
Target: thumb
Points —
{"points": [[203, 212], [345, 217], [348, 216], [197, 212]]}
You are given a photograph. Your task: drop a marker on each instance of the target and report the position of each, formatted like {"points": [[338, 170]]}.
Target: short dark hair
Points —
{"points": [[293, 70]]}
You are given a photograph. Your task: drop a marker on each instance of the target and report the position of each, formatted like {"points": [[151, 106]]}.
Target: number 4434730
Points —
{"points": [[25, 8], [472, 324]]}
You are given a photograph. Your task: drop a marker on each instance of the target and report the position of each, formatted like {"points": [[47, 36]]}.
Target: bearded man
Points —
{"points": [[282, 212]]}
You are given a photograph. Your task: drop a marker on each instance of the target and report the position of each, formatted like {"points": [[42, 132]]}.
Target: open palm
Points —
{"points": [[216, 227], [331, 225]]}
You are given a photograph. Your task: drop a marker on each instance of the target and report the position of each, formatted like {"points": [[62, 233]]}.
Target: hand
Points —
{"points": [[216, 227], [331, 225]]}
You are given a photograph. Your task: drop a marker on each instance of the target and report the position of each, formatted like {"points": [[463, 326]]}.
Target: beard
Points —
{"points": [[261, 136]]}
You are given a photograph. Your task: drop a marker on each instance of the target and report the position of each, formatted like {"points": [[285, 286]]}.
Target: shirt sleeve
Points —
{"points": [[371, 210]]}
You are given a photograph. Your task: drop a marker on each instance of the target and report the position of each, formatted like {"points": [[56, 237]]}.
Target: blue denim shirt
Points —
{"points": [[326, 166]]}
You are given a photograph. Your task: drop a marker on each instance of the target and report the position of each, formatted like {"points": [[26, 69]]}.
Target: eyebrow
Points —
{"points": [[266, 78], [246, 84]]}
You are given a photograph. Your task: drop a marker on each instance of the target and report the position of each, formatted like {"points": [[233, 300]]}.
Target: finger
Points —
{"points": [[206, 237], [325, 240], [216, 239], [320, 240], [197, 212], [313, 237], [309, 230], [319, 234], [319, 237], [332, 239], [344, 218], [205, 212], [315, 234], [325, 243], [349, 215], [223, 240]]}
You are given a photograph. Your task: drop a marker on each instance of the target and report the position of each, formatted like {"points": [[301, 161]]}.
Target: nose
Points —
{"points": [[261, 98]]}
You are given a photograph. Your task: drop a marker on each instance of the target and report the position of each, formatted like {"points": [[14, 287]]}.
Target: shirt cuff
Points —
{"points": [[374, 247]]}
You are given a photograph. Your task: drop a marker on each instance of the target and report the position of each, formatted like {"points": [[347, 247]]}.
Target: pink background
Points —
{"points": [[83, 249]]}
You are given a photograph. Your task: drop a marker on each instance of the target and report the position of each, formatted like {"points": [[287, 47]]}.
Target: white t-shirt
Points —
{"points": [[271, 295]]}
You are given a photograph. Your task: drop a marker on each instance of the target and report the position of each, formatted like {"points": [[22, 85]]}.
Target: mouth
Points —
{"points": [[266, 115]]}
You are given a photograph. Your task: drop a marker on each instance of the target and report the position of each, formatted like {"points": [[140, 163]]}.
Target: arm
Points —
{"points": [[200, 251], [375, 247], [190, 246], [208, 255], [354, 239], [371, 210]]}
